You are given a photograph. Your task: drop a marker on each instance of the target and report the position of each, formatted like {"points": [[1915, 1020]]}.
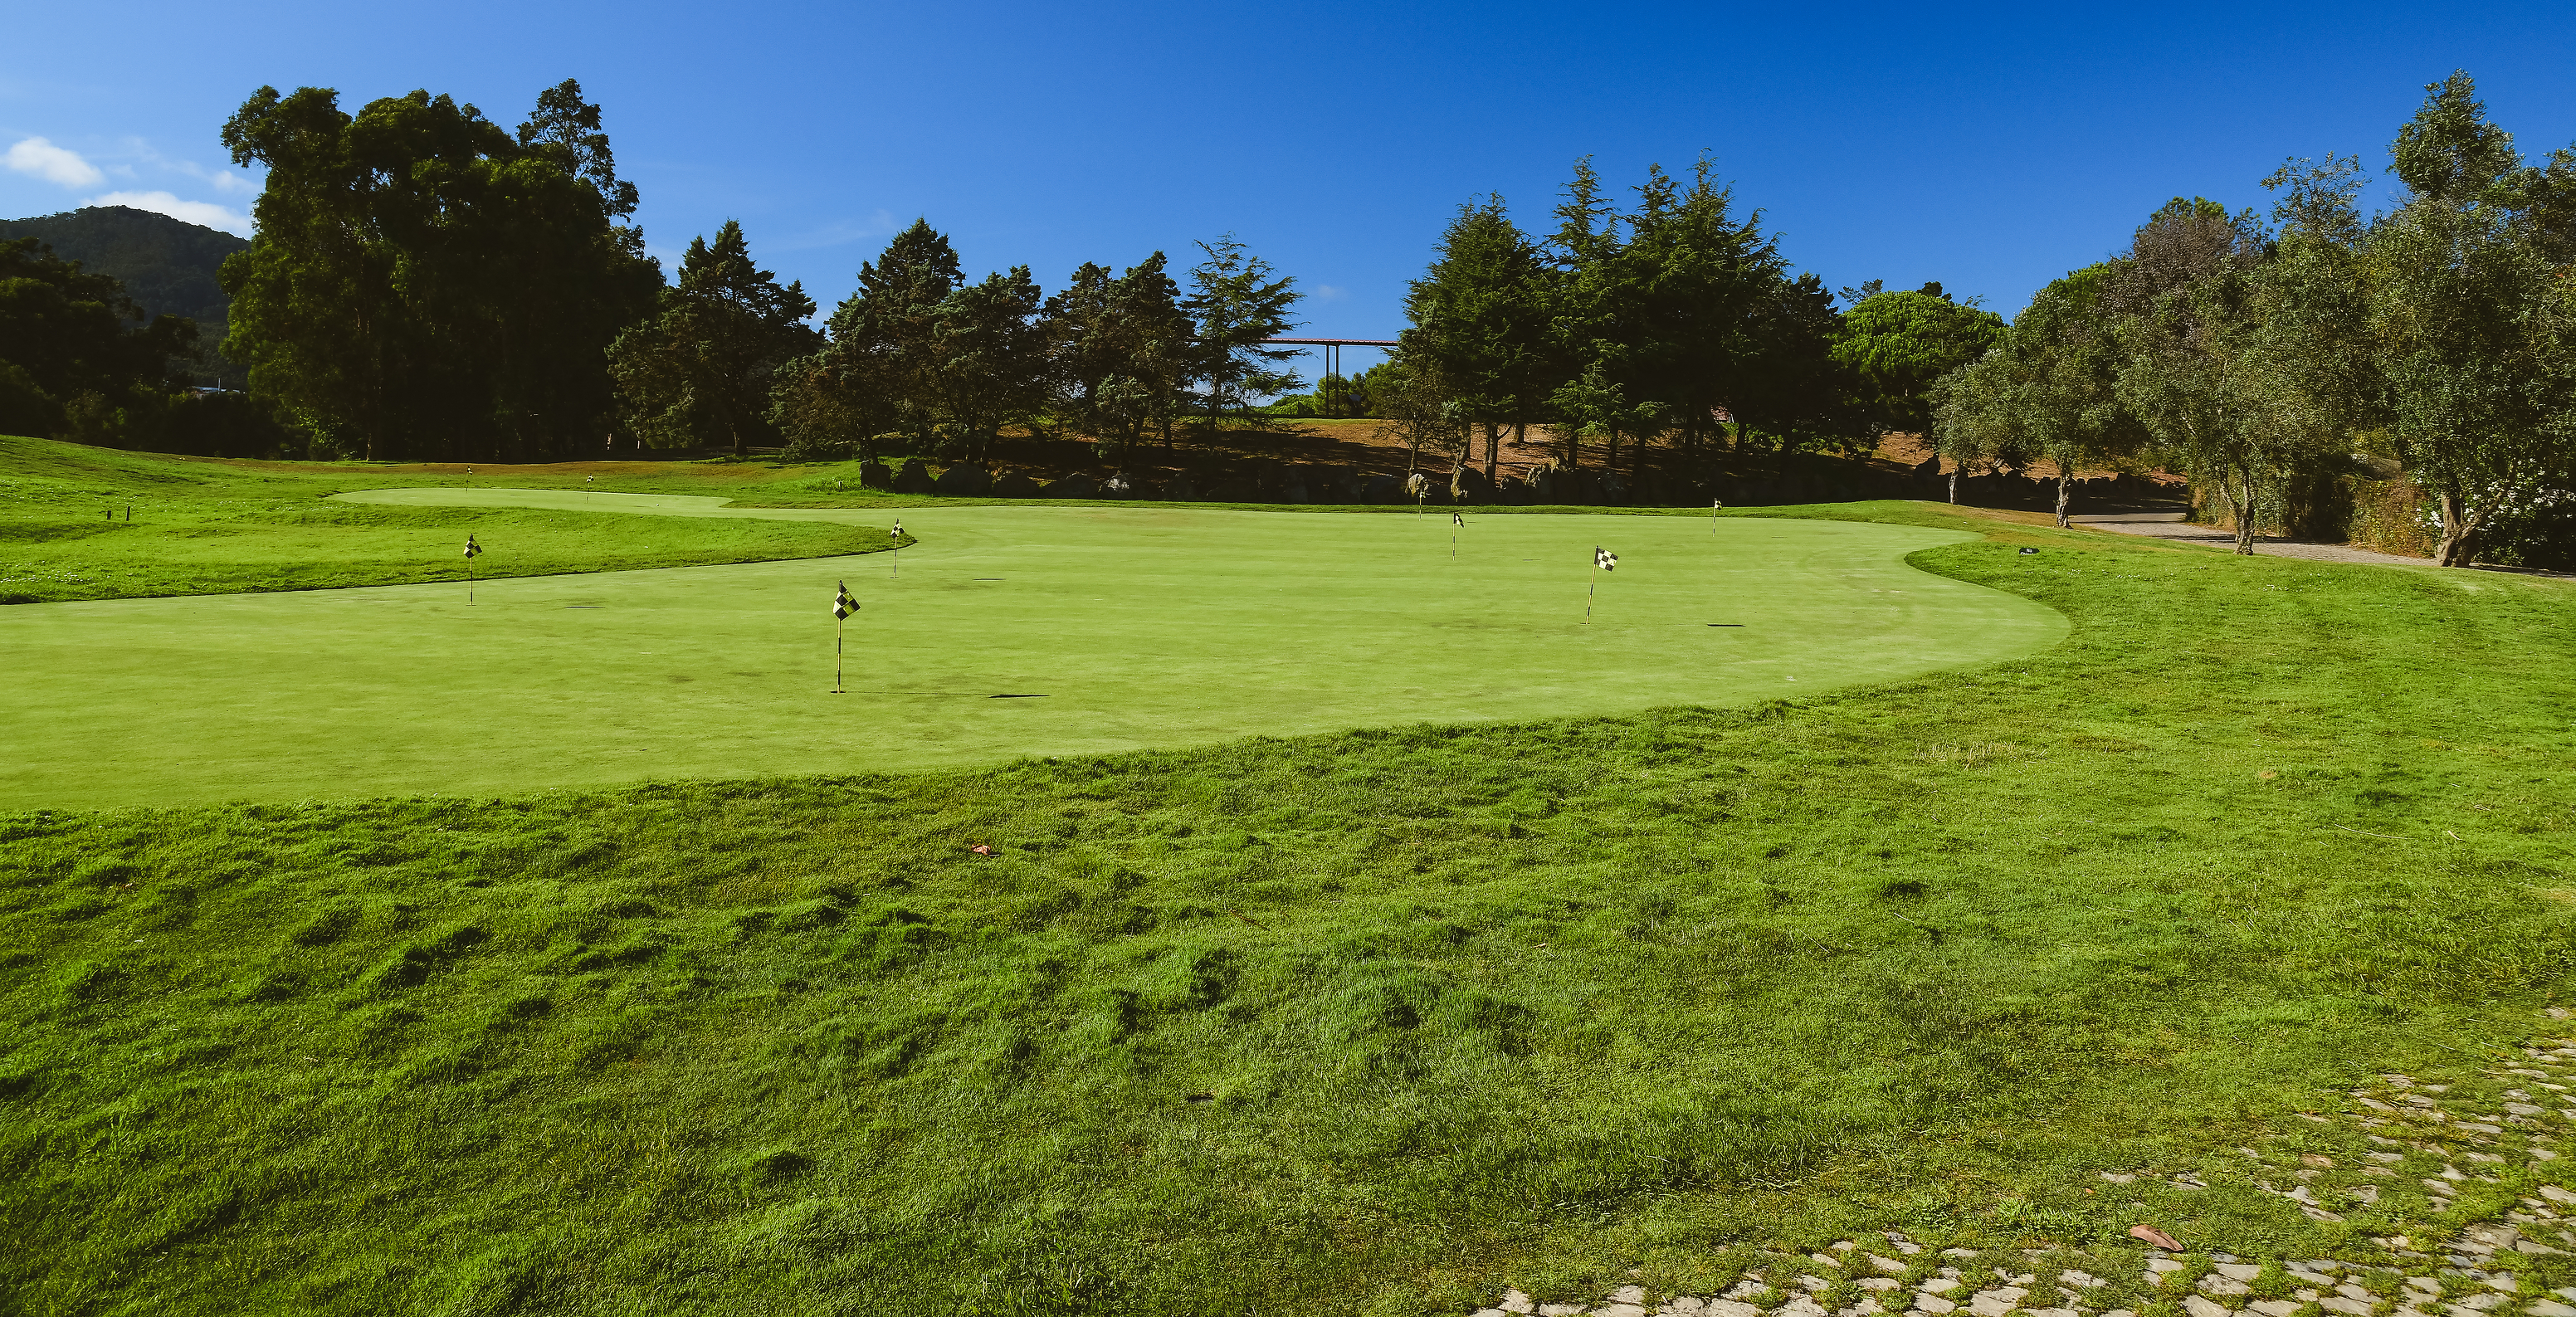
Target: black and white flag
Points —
{"points": [[1458, 519], [472, 550], [843, 605], [1605, 559]]}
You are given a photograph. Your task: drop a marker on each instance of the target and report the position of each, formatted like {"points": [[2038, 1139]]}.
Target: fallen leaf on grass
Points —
{"points": [[2156, 1237], [981, 850]]}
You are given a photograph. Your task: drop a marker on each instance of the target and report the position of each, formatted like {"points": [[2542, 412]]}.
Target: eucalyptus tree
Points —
{"points": [[2052, 385], [2193, 369], [1236, 301], [704, 365], [428, 282], [1480, 323], [2467, 299], [1975, 416]]}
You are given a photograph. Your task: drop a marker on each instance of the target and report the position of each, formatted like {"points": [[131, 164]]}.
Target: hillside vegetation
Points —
{"points": [[168, 266]]}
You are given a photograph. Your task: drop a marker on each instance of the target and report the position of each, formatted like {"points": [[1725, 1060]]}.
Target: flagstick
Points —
{"points": [[1589, 590], [839, 627]]}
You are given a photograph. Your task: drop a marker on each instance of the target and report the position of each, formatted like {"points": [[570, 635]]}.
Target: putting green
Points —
{"points": [[1123, 626]]}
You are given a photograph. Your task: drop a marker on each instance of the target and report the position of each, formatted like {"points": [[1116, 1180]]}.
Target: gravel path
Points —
{"points": [[2171, 526], [2471, 1171]]}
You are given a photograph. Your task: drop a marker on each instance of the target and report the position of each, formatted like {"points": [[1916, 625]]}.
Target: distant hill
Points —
{"points": [[166, 265]]}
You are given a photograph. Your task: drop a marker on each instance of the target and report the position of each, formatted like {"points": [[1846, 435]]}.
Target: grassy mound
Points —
{"points": [[95, 523], [1356, 1022]]}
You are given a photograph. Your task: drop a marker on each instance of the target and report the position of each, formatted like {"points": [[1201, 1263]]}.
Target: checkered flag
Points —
{"points": [[843, 605], [1458, 519], [1605, 559], [472, 550]]}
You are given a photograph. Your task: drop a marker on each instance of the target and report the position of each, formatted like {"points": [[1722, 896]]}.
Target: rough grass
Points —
{"points": [[199, 526], [1354, 1023]]}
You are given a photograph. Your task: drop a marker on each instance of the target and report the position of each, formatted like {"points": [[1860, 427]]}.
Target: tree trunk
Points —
{"points": [[1494, 453], [2063, 493], [2245, 519], [1954, 484], [2459, 543]]}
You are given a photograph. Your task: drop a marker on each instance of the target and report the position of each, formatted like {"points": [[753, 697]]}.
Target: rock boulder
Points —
{"points": [[963, 481]]}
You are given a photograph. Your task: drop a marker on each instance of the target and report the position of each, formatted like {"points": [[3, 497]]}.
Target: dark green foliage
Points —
{"points": [[1481, 324], [424, 283], [1901, 342], [68, 339], [168, 266], [1235, 301], [701, 369], [1122, 353], [1348, 1022]]}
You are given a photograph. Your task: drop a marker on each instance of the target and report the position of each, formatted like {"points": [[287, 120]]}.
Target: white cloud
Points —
{"points": [[52, 163], [163, 203], [223, 180], [1329, 293]]}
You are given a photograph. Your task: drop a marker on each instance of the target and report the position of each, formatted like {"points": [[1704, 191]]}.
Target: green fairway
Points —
{"points": [[1120, 627], [94, 523], [1369, 1022]]}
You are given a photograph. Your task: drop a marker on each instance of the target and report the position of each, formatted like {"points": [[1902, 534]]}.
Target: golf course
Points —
{"points": [[1333, 924], [1003, 632]]}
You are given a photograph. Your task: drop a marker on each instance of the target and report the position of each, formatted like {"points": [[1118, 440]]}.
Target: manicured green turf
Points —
{"points": [[1365, 1022], [208, 527], [1126, 627]]}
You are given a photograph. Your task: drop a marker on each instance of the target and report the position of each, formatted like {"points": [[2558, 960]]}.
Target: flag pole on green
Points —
{"points": [[1457, 523], [842, 606], [1603, 560], [472, 552], [896, 535]]}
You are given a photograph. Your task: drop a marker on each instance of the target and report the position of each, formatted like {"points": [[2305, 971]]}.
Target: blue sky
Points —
{"points": [[1990, 148]]}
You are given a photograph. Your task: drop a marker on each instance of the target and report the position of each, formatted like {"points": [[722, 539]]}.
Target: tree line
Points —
{"points": [[1673, 326], [427, 284], [2267, 356]]}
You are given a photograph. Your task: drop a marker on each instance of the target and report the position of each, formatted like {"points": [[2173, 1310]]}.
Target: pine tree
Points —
{"points": [[702, 368], [1236, 302], [888, 330], [1480, 322]]}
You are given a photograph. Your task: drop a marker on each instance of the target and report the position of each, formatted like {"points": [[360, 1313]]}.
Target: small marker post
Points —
{"points": [[1457, 523], [897, 536], [1713, 506], [842, 606], [1603, 560], [472, 551]]}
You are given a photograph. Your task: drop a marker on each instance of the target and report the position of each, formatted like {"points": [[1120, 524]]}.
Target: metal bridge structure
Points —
{"points": [[1332, 354]]}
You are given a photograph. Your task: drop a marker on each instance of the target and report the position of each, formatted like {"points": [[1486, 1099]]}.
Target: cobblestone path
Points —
{"points": [[2464, 1182]]}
